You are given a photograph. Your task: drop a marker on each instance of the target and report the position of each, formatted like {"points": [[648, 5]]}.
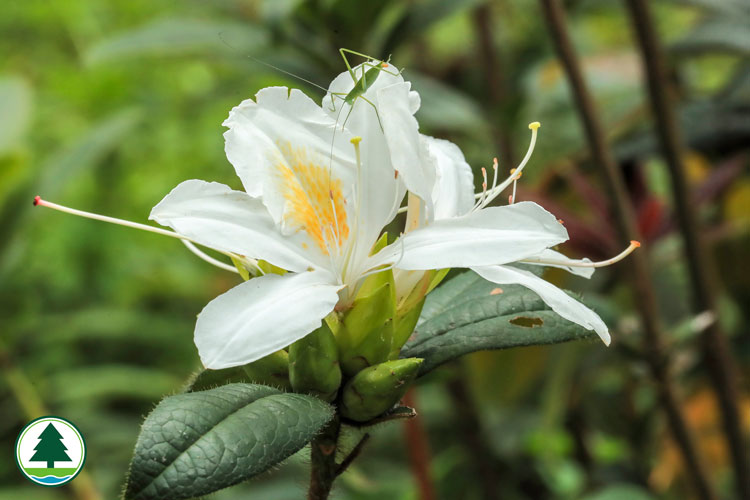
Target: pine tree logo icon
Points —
{"points": [[50, 451]]}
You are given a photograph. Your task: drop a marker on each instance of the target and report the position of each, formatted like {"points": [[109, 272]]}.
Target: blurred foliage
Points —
{"points": [[106, 106]]}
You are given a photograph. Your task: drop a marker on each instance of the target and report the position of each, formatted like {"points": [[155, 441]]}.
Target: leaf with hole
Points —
{"points": [[468, 314]]}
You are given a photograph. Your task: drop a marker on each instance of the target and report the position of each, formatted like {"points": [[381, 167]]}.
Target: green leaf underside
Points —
{"points": [[196, 443], [469, 314]]}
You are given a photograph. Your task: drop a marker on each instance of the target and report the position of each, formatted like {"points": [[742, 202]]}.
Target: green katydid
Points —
{"points": [[370, 72], [371, 68]]}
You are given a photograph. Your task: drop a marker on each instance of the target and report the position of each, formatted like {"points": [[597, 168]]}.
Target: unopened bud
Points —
{"points": [[374, 390], [314, 364], [365, 332], [272, 370]]}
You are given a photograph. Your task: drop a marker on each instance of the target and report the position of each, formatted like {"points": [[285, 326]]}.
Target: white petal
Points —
{"points": [[453, 192], [408, 152], [494, 235], [261, 316], [560, 302], [382, 191], [215, 216], [560, 261], [283, 127]]}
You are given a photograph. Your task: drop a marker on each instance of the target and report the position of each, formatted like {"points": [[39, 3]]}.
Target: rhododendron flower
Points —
{"points": [[320, 183]]}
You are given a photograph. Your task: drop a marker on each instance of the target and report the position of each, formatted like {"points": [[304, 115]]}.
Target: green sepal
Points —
{"points": [[272, 370], [375, 390], [405, 325], [268, 268], [314, 364], [438, 276], [241, 268], [365, 332], [430, 279]]}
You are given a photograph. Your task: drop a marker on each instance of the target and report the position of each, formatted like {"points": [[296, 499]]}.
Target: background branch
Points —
{"points": [[721, 365], [626, 228]]}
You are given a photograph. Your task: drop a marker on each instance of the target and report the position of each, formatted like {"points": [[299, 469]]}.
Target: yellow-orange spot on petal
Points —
{"points": [[315, 200]]}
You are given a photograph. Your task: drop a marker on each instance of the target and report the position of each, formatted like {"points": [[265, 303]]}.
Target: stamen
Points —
{"points": [[496, 190], [352, 241], [495, 168], [336, 233], [515, 183], [390, 266], [484, 184], [572, 263]]}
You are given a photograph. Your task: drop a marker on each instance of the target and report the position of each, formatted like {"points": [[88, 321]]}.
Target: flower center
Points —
{"points": [[315, 200]]}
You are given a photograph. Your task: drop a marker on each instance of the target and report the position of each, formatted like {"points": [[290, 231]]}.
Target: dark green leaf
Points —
{"points": [[196, 443], [469, 314]]}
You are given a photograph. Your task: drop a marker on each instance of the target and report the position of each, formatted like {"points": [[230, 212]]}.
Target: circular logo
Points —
{"points": [[50, 451]]}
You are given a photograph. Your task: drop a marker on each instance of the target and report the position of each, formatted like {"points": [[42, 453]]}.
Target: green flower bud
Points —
{"points": [[374, 390], [272, 370], [314, 364], [364, 333]]}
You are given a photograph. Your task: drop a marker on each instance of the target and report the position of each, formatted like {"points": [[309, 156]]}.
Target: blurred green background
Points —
{"points": [[106, 106]]}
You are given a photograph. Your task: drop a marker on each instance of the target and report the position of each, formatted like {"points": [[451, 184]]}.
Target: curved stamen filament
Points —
{"points": [[496, 190], [38, 201], [572, 263], [205, 257]]}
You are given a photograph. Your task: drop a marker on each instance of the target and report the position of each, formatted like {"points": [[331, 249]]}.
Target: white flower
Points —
{"points": [[320, 184], [455, 206]]}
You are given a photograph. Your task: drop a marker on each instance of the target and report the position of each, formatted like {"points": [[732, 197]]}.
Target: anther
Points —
{"points": [[534, 125], [37, 200]]}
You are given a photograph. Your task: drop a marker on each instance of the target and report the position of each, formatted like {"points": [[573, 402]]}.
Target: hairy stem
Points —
{"points": [[721, 365], [642, 283], [323, 460]]}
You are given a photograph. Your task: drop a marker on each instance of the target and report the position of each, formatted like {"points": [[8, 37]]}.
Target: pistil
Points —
{"points": [[189, 243]]}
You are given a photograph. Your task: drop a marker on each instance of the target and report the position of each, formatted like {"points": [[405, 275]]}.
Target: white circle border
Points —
{"points": [[60, 420]]}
